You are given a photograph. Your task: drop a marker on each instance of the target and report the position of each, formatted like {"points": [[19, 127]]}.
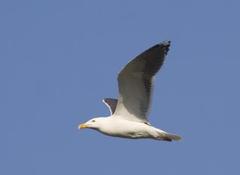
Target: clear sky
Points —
{"points": [[58, 59]]}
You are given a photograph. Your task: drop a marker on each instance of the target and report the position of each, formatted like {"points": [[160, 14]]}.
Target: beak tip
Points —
{"points": [[81, 126]]}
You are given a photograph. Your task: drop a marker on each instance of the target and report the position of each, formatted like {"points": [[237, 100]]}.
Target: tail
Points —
{"points": [[168, 137]]}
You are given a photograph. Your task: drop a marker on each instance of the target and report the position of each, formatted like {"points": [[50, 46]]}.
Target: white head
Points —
{"points": [[94, 123]]}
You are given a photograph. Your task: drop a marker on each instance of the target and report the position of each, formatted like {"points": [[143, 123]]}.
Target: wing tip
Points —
{"points": [[165, 43]]}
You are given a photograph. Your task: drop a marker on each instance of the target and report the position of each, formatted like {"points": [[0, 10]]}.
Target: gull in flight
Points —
{"points": [[129, 113]]}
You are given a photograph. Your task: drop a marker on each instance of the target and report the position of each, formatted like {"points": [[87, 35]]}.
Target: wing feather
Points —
{"points": [[111, 103], [135, 83]]}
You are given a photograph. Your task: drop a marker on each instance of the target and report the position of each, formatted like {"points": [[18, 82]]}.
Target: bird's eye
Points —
{"points": [[93, 121]]}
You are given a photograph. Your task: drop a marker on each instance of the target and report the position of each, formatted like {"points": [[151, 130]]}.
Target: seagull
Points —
{"points": [[129, 113]]}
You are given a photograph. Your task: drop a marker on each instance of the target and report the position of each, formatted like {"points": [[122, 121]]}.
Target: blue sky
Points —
{"points": [[58, 59]]}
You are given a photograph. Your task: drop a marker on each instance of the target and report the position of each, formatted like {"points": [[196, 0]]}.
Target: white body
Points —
{"points": [[131, 129], [118, 127]]}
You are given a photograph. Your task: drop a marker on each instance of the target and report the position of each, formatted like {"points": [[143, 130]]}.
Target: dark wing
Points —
{"points": [[111, 103], [135, 83]]}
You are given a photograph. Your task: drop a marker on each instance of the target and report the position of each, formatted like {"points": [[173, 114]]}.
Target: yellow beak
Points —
{"points": [[82, 126]]}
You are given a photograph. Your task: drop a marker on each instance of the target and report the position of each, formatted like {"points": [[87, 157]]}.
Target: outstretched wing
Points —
{"points": [[111, 103], [135, 83]]}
